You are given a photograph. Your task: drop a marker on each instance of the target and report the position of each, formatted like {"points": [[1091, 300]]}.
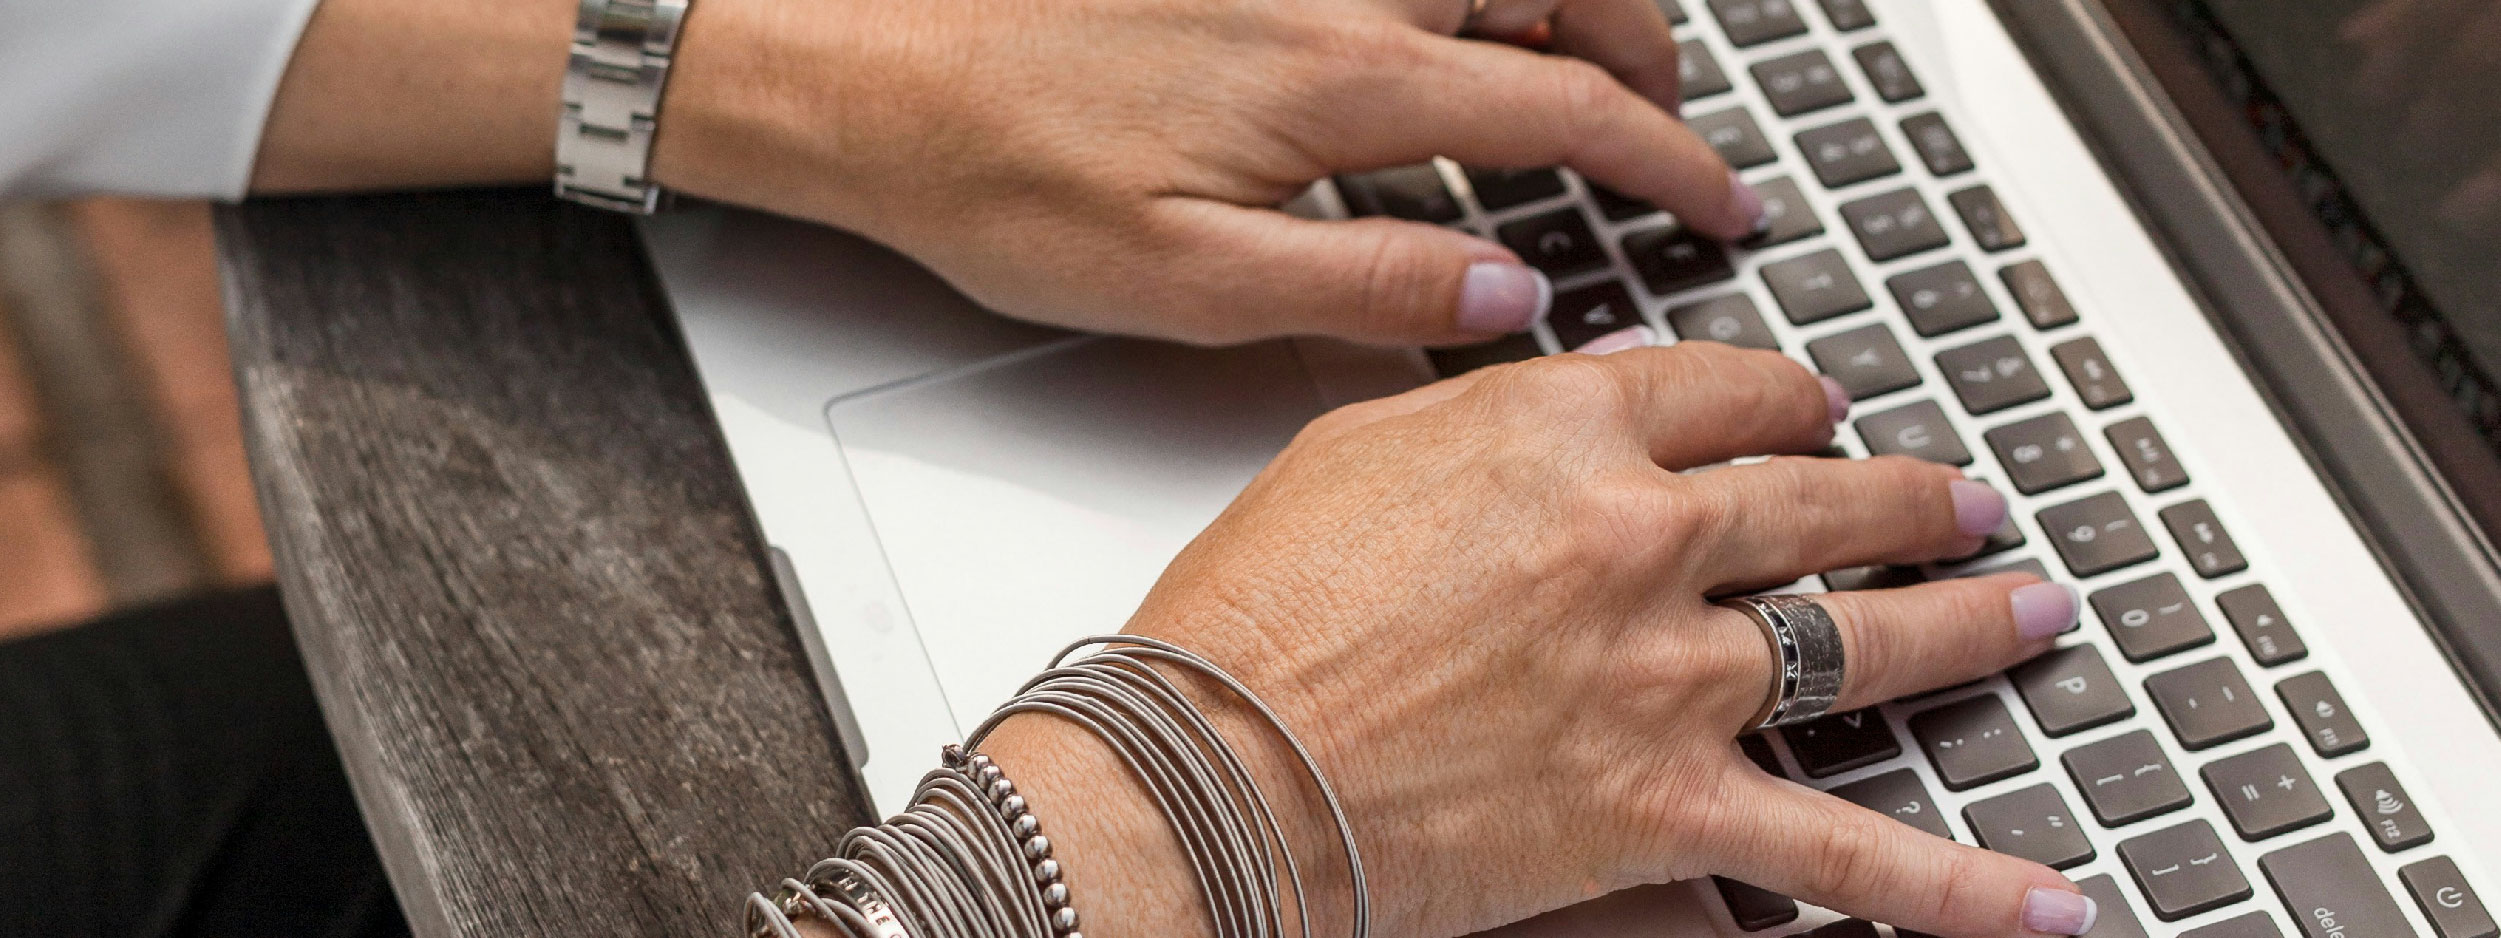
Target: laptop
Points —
{"points": [[2264, 727]]}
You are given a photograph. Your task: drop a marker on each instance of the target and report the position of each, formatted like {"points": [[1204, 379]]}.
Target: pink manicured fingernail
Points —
{"points": [[1502, 297], [2045, 609], [2058, 912], [1746, 205], [1836, 397], [1978, 509], [1617, 341]]}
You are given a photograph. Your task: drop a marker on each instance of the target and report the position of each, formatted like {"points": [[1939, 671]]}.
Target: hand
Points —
{"points": [[1483, 603], [1112, 164]]}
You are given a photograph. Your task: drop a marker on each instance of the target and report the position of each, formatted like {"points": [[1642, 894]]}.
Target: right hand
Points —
{"points": [[1485, 605], [1114, 164]]}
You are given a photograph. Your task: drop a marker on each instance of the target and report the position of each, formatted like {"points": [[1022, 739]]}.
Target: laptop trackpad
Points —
{"points": [[1032, 499]]}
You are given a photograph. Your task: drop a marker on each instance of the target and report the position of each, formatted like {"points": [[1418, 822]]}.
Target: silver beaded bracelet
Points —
{"points": [[969, 858]]}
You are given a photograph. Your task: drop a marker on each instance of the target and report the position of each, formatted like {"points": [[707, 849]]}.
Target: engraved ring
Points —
{"points": [[1806, 652]]}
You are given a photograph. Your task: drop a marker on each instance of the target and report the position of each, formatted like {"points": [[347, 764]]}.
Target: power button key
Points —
{"points": [[2447, 900]]}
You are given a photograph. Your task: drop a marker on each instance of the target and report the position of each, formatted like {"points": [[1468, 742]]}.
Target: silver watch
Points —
{"points": [[612, 86]]}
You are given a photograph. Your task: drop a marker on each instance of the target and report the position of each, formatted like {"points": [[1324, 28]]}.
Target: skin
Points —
{"points": [[1481, 602], [990, 142]]}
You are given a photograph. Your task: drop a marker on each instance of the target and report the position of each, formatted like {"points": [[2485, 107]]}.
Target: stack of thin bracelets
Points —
{"points": [[970, 860]]}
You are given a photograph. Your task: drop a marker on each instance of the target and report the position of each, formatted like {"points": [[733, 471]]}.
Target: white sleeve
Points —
{"points": [[142, 97]]}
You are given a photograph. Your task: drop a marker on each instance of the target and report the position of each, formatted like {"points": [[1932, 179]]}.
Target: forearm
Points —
{"points": [[384, 94]]}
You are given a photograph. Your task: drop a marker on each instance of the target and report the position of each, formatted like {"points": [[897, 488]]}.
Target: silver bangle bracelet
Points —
{"points": [[969, 858]]}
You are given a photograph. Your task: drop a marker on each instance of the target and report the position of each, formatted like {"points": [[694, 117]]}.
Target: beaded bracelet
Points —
{"points": [[969, 859]]}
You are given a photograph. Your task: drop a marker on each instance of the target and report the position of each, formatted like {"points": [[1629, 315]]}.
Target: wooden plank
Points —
{"points": [[529, 592]]}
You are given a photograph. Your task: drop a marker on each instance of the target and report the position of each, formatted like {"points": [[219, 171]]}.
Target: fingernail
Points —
{"points": [[1747, 207], [1836, 397], [1617, 341], [2058, 912], [1978, 509], [1500, 297], [2045, 609]]}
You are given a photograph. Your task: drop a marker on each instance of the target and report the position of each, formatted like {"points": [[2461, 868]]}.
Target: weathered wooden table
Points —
{"points": [[529, 592]]}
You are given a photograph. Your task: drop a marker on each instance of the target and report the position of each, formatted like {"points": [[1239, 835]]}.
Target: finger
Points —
{"points": [[1628, 38], [1829, 852], [1899, 642], [1371, 279], [1787, 518], [1362, 413], [1486, 104], [1689, 404]]}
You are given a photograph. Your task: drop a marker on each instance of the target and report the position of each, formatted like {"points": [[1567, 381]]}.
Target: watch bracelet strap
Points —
{"points": [[612, 85]]}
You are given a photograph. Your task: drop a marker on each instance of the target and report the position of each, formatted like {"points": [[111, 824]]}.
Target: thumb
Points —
{"points": [[1829, 852], [1372, 279]]}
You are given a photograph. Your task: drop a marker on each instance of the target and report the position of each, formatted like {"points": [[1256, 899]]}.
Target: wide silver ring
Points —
{"points": [[1807, 659]]}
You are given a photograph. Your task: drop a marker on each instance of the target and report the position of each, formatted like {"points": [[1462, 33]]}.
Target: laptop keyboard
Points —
{"points": [[2169, 768]]}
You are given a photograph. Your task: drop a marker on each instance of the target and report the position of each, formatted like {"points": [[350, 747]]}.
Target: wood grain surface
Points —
{"points": [[531, 597]]}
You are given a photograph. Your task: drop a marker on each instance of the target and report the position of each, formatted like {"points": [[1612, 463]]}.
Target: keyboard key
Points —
{"points": [[1847, 15], [1453, 362], [2332, 891], [1866, 360], [2151, 617], [2039, 296], [1973, 742], [1936, 144], [2322, 715], [2248, 925], [1919, 429], [1895, 224], [2097, 534], [1845, 928], [1991, 228], [2183, 870], [2383, 806], [2089, 370], [2071, 689], [2126, 779], [1754, 22], [2007, 537], [2454, 909], [1731, 319], [1557, 242], [1616, 206], [2043, 453], [2261, 624], [1815, 287], [2146, 455], [1589, 312], [1498, 189], [2025, 566], [2208, 704], [1799, 82], [2032, 823], [1831, 745], [2210, 551], [1733, 132], [1415, 193], [1992, 374], [2266, 792], [1699, 72], [1941, 299], [1848, 152], [1886, 71], [1674, 11], [2118, 918], [1759, 751], [1786, 209], [1880, 577], [1755, 908], [1897, 795], [1672, 259]]}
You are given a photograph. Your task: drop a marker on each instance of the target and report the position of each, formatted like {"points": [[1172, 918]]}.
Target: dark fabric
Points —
{"points": [[165, 773]]}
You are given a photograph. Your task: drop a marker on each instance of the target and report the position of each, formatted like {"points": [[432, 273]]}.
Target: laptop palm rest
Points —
{"points": [[1032, 499]]}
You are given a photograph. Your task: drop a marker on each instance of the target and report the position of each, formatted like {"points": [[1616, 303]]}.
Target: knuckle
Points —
{"points": [[1396, 272], [1952, 893], [1587, 97], [1848, 858], [1580, 382]]}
